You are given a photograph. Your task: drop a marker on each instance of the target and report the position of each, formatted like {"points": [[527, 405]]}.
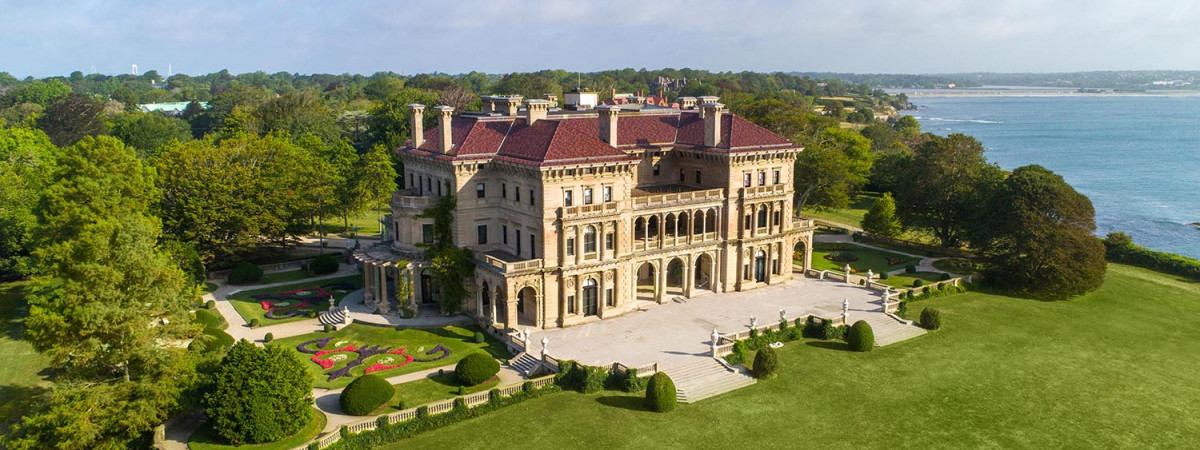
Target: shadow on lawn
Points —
{"points": [[15, 401], [830, 345], [624, 402]]}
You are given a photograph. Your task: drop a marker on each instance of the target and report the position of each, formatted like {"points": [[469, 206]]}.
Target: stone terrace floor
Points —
{"points": [[674, 334]]}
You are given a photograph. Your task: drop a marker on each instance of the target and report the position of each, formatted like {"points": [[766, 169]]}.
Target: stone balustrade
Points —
{"points": [[764, 191], [678, 198]]}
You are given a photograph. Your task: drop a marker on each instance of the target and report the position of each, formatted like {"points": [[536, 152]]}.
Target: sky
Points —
{"points": [[44, 38]]}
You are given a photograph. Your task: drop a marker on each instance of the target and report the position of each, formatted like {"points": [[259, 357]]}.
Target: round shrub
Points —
{"points": [[861, 338], [660, 393], [211, 304], [766, 362], [254, 323], [365, 394], [931, 319], [918, 282], [883, 276], [910, 269], [269, 337], [944, 277], [328, 328], [476, 368], [323, 264], [245, 273], [479, 338]]}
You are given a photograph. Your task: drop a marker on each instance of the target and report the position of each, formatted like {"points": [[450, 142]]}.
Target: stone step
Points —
{"points": [[335, 318], [704, 379], [525, 363]]}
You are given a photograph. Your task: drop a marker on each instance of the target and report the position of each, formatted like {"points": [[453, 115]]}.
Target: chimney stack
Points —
{"points": [[488, 106], [418, 124], [445, 115], [712, 124], [687, 102], [608, 124], [535, 110], [507, 104], [552, 98], [704, 100]]}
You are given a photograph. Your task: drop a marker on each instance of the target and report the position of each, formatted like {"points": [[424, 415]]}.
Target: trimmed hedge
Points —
{"points": [[1121, 249], [861, 337], [918, 283], [245, 273], [660, 393], [269, 337], [323, 264], [766, 363], [211, 304], [479, 337], [945, 277], [910, 268], [254, 323], [365, 394], [476, 368], [931, 319]]}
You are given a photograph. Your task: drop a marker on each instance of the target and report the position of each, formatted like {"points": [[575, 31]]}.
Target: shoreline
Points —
{"points": [[1046, 94]]}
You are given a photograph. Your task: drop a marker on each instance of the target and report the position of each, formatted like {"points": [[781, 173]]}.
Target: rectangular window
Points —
{"points": [[568, 199], [531, 197], [762, 178], [746, 180], [439, 189], [503, 190], [570, 246], [607, 194], [747, 222], [518, 233], [427, 233], [609, 241], [410, 179], [532, 244], [481, 234], [608, 297], [480, 190], [656, 170], [429, 185], [697, 177], [517, 193], [682, 176], [504, 234], [776, 176], [570, 304], [587, 196]]}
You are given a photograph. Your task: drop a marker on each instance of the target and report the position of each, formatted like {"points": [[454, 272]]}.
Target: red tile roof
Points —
{"points": [[568, 139]]}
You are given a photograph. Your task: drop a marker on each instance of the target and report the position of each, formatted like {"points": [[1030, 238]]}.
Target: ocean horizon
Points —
{"points": [[1137, 157]]}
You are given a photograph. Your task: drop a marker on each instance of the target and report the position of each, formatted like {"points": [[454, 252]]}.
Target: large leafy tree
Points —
{"points": [[389, 124], [258, 395], [944, 186], [834, 165], [108, 307], [374, 179], [27, 160], [71, 118], [1036, 235], [149, 133], [881, 219]]}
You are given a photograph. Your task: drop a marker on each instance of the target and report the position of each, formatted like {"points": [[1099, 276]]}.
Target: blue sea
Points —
{"points": [[1136, 157]]}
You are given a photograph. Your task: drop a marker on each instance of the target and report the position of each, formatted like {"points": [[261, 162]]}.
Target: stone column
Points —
{"points": [[602, 239], [368, 284], [689, 276], [579, 244], [510, 304]]}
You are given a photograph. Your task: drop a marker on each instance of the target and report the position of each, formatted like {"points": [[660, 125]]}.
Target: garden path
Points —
{"points": [[239, 329], [926, 264]]}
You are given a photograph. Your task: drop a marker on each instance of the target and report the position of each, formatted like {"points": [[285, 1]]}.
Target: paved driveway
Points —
{"points": [[674, 334]]}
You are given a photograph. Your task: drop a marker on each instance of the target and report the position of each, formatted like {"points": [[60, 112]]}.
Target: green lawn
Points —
{"points": [[960, 266], [906, 280], [868, 258], [24, 369], [850, 216], [416, 342], [203, 439], [367, 223], [432, 389], [1113, 369], [250, 308]]}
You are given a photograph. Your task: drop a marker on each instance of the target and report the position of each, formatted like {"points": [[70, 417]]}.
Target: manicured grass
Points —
{"points": [[204, 439], [868, 258], [24, 369], [208, 288], [906, 280], [960, 266], [250, 308], [416, 342], [1112, 369], [850, 216], [432, 389], [214, 327], [367, 223]]}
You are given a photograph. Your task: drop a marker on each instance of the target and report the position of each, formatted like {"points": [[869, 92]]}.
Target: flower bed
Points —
{"points": [[327, 359], [292, 302]]}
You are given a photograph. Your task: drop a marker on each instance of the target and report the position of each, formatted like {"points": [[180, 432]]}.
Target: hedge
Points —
{"points": [[323, 264], [245, 273], [1122, 250], [660, 393], [766, 363], [476, 368], [365, 394], [861, 337], [931, 319]]}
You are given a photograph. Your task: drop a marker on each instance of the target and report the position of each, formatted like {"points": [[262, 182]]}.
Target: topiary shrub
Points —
{"points": [[479, 338], [944, 277], [861, 337], [910, 268], [211, 304], [931, 319], [660, 393], [245, 273], [884, 276], [365, 394], [918, 282], [328, 328], [323, 264], [766, 363], [254, 323], [269, 337], [476, 368], [903, 309]]}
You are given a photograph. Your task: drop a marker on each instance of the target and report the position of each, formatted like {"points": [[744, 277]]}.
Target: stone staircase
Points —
{"points": [[525, 364], [888, 330], [332, 318], [706, 378]]}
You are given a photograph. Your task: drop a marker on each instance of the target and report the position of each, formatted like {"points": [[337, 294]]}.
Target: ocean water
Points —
{"points": [[1136, 157]]}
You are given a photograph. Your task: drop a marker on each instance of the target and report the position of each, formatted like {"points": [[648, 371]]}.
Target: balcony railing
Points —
{"points": [[764, 191], [678, 198], [506, 266], [598, 209], [408, 198], [803, 224]]}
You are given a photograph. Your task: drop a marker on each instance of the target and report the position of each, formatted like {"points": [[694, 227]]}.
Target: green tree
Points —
{"points": [[945, 185], [149, 133], [908, 127], [71, 118], [1036, 235], [390, 124], [374, 180], [27, 160], [258, 395], [39, 92], [834, 165], [451, 265], [881, 219]]}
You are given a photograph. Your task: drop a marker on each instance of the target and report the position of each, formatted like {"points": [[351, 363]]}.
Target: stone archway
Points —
{"points": [[675, 277], [485, 300], [704, 272], [527, 305], [501, 307], [646, 286]]}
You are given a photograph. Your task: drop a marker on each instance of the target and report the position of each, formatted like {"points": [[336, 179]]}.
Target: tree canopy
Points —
{"points": [[945, 185], [258, 395]]}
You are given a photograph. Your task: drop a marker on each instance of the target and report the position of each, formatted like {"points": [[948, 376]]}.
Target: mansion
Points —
{"points": [[589, 211]]}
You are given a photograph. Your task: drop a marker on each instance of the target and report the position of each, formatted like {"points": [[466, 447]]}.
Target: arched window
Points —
{"points": [[589, 239]]}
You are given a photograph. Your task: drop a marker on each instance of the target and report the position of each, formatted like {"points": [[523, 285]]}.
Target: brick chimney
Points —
{"points": [[704, 100], [418, 124], [535, 110], [445, 115], [608, 124], [712, 124], [687, 102]]}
